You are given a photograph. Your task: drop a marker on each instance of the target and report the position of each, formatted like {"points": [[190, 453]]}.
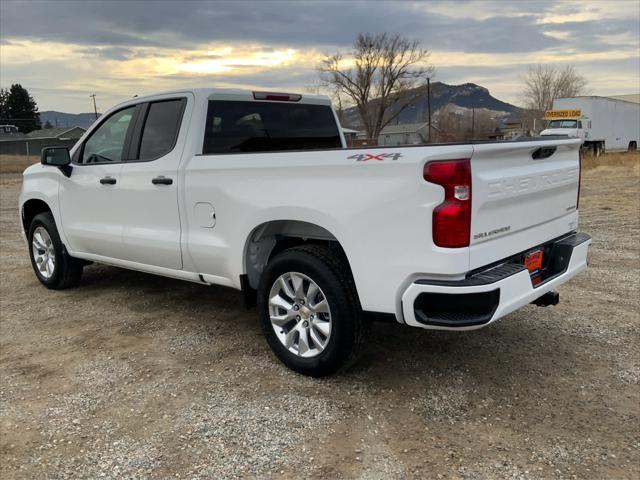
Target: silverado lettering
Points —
{"points": [[509, 187]]}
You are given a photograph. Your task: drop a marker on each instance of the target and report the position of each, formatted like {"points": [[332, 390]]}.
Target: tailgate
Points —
{"points": [[523, 194]]}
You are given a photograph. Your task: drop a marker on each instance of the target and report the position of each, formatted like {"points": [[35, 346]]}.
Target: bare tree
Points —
{"points": [[457, 124], [340, 104], [380, 77], [451, 125], [544, 83], [485, 124]]}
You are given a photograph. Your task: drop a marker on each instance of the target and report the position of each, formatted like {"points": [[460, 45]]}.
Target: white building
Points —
{"points": [[407, 134]]}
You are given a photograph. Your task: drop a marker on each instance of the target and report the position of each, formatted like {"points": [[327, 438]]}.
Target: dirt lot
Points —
{"points": [[137, 376]]}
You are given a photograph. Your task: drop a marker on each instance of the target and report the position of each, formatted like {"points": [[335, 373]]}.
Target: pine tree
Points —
{"points": [[22, 109]]}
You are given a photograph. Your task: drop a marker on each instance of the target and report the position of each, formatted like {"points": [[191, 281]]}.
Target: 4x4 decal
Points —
{"points": [[363, 157]]}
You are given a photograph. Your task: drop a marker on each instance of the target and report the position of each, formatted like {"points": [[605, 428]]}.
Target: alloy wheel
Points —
{"points": [[44, 254], [300, 314]]}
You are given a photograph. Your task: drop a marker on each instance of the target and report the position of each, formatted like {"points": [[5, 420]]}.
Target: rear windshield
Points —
{"points": [[266, 126]]}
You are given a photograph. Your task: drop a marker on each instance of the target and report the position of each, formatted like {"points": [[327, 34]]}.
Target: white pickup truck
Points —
{"points": [[256, 191]]}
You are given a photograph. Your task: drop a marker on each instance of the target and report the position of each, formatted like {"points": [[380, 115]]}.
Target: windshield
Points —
{"points": [[563, 124]]}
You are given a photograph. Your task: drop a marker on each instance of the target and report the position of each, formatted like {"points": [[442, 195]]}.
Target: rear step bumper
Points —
{"points": [[491, 293]]}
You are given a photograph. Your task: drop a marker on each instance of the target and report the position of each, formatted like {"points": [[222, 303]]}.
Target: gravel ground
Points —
{"points": [[135, 376]]}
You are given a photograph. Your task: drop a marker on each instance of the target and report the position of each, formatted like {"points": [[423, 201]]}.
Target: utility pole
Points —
{"points": [[95, 109], [429, 104]]}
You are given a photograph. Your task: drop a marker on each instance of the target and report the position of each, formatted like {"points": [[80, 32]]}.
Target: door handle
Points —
{"points": [[162, 181], [108, 181]]}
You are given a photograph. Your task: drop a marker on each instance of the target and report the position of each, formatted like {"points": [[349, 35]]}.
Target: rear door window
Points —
{"points": [[161, 128], [236, 126]]}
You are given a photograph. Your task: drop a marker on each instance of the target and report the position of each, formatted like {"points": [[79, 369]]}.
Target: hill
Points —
{"points": [[61, 119], [458, 97], [454, 97]]}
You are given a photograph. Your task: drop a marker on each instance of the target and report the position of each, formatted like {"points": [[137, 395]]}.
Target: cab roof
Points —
{"points": [[238, 95]]}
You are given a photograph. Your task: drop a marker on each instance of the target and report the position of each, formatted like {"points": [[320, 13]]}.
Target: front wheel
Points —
{"points": [[51, 263], [309, 310]]}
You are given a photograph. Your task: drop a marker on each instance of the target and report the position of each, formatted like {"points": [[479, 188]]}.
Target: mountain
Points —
{"points": [[456, 97], [61, 119]]}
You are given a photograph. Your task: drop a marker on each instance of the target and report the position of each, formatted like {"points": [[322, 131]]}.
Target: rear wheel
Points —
{"points": [[309, 310], [51, 263], [598, 149], [633, 146]]}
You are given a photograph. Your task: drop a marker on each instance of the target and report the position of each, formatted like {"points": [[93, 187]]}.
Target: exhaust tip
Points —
{"points": [[549, 298]]}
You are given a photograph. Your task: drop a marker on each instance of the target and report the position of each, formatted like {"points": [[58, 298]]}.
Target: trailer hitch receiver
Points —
{"points": [[549, 298]]}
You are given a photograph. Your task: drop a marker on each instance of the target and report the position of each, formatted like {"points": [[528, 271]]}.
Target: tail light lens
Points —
{"points": [[452, 218]]}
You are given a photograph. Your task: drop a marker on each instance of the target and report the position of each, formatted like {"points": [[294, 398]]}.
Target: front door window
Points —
{"points": [[106, 143]]}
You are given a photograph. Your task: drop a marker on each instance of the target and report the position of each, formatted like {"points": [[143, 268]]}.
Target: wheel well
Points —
{"points": [[30, 209], [271, 238]]}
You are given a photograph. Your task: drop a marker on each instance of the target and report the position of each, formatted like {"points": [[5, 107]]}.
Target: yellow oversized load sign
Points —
{"points": [[553, 114]]}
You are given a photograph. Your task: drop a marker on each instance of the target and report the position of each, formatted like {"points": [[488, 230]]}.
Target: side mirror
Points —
{"points": [[55, 156]]}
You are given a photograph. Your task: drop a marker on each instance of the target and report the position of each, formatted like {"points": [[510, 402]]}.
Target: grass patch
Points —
{"points": [[617, 159], [16, 163]]}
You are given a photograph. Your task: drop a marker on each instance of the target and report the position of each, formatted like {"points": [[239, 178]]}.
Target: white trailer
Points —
{"points": [[605, 124]]}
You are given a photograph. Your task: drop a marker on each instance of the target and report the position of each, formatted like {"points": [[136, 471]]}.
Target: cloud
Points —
{"points": [[117, 48], [110, 53], [597, 35], [319, 24], [468, 26]]}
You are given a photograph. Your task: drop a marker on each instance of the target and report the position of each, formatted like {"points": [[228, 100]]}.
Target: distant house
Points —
{"points": [[349, 135], [73, 133], [407, 134], [511, 130]]}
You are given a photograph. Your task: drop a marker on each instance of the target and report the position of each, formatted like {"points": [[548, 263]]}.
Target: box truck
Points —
{"points": [[603, 123]]}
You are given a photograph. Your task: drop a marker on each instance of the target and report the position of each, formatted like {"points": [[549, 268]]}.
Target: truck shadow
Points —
{"points": [[526, 347]]}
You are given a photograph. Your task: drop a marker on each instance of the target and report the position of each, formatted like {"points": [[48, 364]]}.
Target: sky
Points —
{"points": [[63, 51]]}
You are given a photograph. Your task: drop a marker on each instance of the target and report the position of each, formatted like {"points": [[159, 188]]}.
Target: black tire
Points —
{"points": [[599, 149], [633, 146], [67, 270], [331, 273]]}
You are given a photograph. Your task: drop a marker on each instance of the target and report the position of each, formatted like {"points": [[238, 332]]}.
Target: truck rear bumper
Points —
{"points": [[493, 292]]}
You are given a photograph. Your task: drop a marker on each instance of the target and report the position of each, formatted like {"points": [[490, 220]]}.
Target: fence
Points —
{"points": [[17, 154], [30, 147]]}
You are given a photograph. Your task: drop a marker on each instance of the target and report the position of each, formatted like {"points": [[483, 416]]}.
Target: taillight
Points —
{"points": [[279, 97], [452, 218], [579, 176]]}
